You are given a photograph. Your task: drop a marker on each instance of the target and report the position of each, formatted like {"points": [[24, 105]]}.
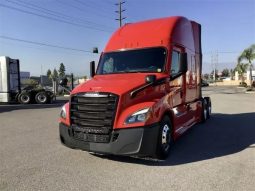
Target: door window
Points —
{"points": [[175, 64]]}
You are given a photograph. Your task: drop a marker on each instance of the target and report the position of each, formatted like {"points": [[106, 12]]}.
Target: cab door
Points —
{"points": [[177, 93]]}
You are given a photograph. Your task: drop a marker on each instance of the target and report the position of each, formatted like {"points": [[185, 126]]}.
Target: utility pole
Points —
{"points": [[251, 74], [120, 11], [213, 66], [41, 74], [214, 62]]}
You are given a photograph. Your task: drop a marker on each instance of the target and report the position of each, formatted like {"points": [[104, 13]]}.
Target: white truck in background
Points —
{"points": [[10, 87]]}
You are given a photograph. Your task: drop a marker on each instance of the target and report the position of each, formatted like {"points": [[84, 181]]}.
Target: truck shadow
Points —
{"points": [[12, 107], [223, 134]]}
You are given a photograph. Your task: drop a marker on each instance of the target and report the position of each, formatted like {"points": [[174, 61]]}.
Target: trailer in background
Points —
{"points": [[10, 87]]}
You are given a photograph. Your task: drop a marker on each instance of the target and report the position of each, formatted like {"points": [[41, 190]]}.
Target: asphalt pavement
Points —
{"points": [[217, 155]]}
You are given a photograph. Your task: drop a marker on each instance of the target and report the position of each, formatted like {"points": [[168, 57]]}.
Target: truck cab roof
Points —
{"points": [[156, 32]]}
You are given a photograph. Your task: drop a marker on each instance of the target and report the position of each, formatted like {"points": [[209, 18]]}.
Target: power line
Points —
{"points": [[224, 52], [70, 5], [99, 2], [44, 44], [82, 10], [95, 6], [52, 18], [111, 2], [54, 13], [120, 11], [35, 7]]}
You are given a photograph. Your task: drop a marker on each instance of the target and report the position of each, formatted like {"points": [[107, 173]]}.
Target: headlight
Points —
{"points": [[139, 116], [63, 112]]}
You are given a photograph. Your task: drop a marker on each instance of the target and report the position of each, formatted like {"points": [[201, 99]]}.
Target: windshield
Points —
{"points": [[142, 60]]}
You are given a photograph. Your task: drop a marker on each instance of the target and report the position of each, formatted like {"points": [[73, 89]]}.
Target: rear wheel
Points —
{"points": [[24, 98], [41, 98], [164, 139], [209, 107], [204, 111]]}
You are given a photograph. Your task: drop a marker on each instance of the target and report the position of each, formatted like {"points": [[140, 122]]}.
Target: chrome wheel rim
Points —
{"points": [[166, 137], [205, 110], [24, 98], [41, 98], [209, 109]]}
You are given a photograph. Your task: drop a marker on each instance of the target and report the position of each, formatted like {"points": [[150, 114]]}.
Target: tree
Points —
{"points": [[232, 73], [216, 74], [225, 72], [241, 68], [248, 55], [54, 75], [206, 76], [30, 82], [61, 70], [54, 78], [48, 73]]}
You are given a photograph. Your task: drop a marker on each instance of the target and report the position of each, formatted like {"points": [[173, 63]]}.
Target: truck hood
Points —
{"points": [[114, 83]]}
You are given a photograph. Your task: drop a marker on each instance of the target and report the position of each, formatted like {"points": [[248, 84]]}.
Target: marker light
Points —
{"points": [[63, 112]]}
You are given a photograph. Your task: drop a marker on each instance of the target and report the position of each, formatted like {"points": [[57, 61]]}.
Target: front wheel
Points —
{"points": [[164, 139]]}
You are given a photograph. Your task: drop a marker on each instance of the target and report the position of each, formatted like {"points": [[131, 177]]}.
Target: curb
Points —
{"points": [[250, 92]]}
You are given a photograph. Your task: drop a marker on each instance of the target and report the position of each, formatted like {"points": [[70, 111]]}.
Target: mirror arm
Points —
{"points": [[92, 69], [176, 75]]}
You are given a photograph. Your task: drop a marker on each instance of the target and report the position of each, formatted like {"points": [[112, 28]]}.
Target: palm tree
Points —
{"points": [[248, 55], [232, 73], [241, 68]]}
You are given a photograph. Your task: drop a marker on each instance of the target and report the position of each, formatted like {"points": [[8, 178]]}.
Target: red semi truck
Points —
{"points": [[144, 94]]}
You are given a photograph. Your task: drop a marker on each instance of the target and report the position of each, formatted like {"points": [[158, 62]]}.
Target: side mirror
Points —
{"points": [[183, 62], [63, 82], [150, 79], [92, 69], [95, 50]]}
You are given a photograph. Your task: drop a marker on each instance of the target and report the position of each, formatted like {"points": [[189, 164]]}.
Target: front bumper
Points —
{"points": [[140, 141]]}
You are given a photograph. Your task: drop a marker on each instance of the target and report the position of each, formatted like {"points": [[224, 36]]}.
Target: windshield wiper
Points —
{"points": [[137, 71], [128, 71]]}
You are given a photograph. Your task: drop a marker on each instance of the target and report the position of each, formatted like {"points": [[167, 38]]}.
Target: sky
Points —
{"points": [[65, 31]]}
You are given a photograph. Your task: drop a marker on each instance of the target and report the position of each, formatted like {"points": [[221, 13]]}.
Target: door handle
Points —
{"points": [[188, 107], [181, 93]]}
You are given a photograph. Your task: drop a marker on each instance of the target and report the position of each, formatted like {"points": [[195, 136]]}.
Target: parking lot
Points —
{"points": [[217, 155]]}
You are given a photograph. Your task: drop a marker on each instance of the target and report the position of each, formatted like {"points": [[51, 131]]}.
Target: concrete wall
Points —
{"points": [[228, 83]]}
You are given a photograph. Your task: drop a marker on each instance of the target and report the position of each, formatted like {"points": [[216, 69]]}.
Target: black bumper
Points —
{"points": [[141, 141]]}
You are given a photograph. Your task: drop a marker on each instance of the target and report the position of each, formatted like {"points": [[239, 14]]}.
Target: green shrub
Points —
{"points": [[250, 89], [243, 84]]}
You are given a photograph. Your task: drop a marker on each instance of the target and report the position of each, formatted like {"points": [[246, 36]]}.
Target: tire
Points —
{"points": [[209, 107], [165, 139], [204, 111], [41, 98], [24, 98]]}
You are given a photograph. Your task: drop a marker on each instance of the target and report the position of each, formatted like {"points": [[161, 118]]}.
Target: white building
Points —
{"points": [[248, 75]]}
